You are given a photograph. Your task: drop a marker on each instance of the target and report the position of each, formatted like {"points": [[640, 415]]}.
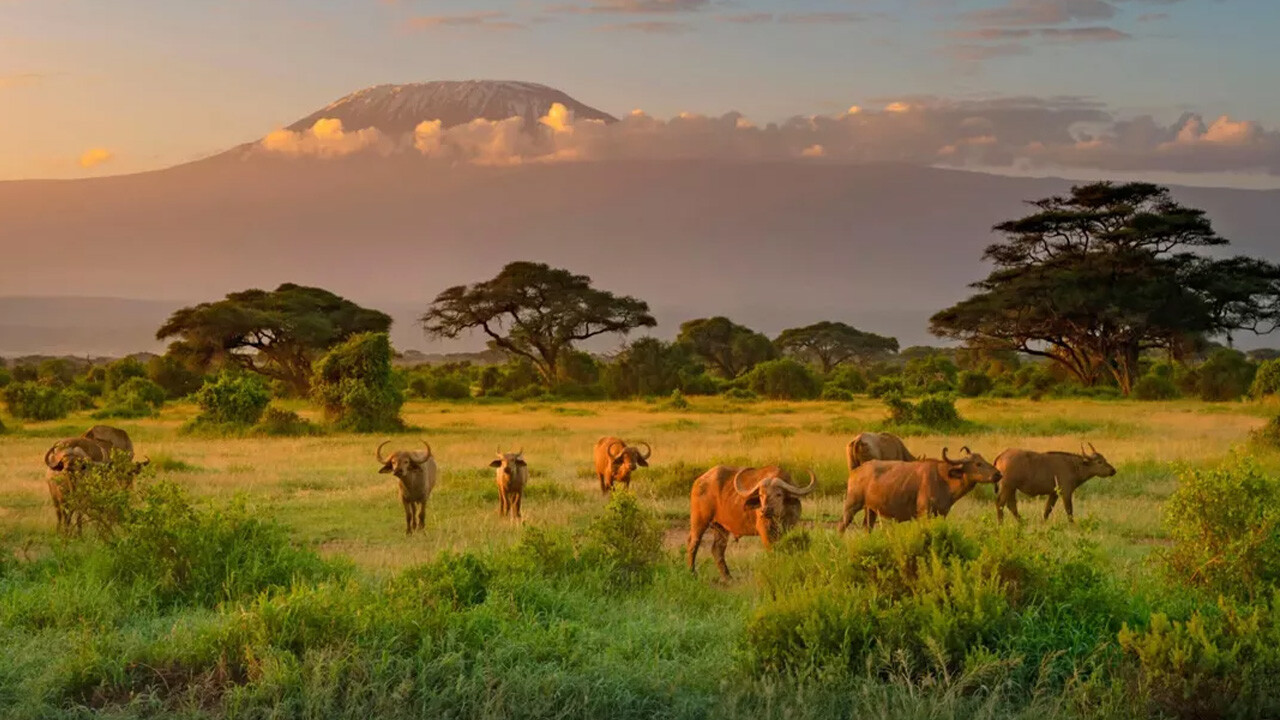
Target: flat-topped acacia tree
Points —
{"points": [[534, 311], [1094, 279], [831, 344], [277, 334]]}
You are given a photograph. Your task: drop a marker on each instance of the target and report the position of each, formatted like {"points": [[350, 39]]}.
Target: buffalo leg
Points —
{"points": [[718, 545], [519, 497], [870, 520], [695, 539], [422, 515], [408, 518], [1066, 504], [1009, 500], [1048, 504], [851, 508], [502, 502], [604, 489]]}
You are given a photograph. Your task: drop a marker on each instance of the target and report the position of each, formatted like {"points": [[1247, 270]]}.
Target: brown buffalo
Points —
{"points": [[65, 460], [512, 475], [416, 471], [115, 438], [615, 461], [740, 502], [1051, 473], [876, 446], [907, 490]]}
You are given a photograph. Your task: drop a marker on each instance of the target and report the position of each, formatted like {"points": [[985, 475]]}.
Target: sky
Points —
{"points": [[90, 87]]}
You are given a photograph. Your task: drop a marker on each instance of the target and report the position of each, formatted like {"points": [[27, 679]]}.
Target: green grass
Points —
{"points": [[550, 639]]}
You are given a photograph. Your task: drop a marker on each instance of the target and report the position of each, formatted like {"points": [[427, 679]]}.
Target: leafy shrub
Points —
{"points": [[55, 372], [102, 493], [231, 400], [179, 554], [626, 541], [354, 384], [1265, 382], [136, 397], [439, 387], [172, 373], [849, 379], [454, 581], [1225, 528], [835, 392], [25, 372], [886, 386], [78, 399], [974, 384], [783, 379], [122, 371], [5, 377], [937, 411], [740, 393], [33, 401], [1155, 387], [278, 422], [1215, 665], [901, 412], [1226, 375], [677, 401]]}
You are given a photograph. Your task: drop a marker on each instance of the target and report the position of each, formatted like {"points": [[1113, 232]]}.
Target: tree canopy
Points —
{"points": [[534, 311], [276, 334], [1094, 279], [727, 347], [831, 344]]}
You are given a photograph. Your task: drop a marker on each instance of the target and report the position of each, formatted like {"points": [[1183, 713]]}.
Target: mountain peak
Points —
{"points": [[396, 109]]}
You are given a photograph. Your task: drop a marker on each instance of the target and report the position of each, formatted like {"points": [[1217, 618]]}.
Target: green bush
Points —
{"points": [[172, 373], [1220, 664], [5, 377], [355, 385], [137, 397], [677, 401], [783, 379], [25, 372], [1267, 436], [625, 541], [1265, 382], [431, 386], [1226, 375], [937, 411], [33, 401], [277, 422], [974, 384], [1224, 525], [55, 372], [901, 411], [231, 400], [122, 371], [1155, 387], [886, 386], [835, 392], [78, 399], [453, 581], [103, 493], [848, 378]]}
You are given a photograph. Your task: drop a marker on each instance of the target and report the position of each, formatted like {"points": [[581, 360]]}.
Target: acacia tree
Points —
{"points": [[1093, 280], [534, 311], [276, 334], [731, 349], [831, 344]]}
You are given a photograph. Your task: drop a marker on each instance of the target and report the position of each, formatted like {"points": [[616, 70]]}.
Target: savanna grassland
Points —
{"points": [[306, 599]]}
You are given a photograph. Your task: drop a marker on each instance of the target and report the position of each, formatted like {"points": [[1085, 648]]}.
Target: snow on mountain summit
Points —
{"points": [[396, 109]]}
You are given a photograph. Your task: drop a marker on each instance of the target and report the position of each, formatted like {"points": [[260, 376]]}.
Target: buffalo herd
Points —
{"points": [[885, 480]]}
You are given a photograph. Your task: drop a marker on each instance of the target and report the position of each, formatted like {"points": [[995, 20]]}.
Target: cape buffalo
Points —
{"points": [[907, 490], [739, 502], [1051, 473], [512, 476], [615, 461], [68, 457], [116, 438], [416, 471], [876, 446]]}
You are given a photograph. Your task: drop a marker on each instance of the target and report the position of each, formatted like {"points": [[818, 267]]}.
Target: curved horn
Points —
{"points": [[379, 451], [48, 455], [649, 450], [1093, 449], [520, 452], [429, 453], [949, 460], [966, 450], [801, 492], [609, 450], [750, 492]]}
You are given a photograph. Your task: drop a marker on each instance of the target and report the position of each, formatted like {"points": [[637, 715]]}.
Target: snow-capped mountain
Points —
{"points": [[396, 109]]}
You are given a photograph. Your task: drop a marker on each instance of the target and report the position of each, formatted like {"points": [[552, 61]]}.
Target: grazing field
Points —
{"points": [[529, 628]]}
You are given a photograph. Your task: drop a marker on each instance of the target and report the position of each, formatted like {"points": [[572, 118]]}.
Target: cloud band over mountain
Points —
{"points": [[1008, 133]]}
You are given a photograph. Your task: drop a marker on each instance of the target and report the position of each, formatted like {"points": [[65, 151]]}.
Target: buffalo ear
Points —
{"points": [[61, 464], [521, 462], [956, 472], [495, 463], [385, 469], [752, 503]]}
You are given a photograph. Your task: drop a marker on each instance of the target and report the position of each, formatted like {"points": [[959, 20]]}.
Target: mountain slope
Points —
{"points": [[397, 109], [770, 244]]}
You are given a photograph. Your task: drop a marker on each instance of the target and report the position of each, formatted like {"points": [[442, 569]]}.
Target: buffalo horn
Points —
{"points": [[49, 455], [648, 450], [609, 450], [750, 492], [801, 492], [1093, 449], [949, 460], [379, 451]]}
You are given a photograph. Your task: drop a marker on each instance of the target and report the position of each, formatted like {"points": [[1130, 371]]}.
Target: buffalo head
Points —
{"points": [[403, 463]]}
